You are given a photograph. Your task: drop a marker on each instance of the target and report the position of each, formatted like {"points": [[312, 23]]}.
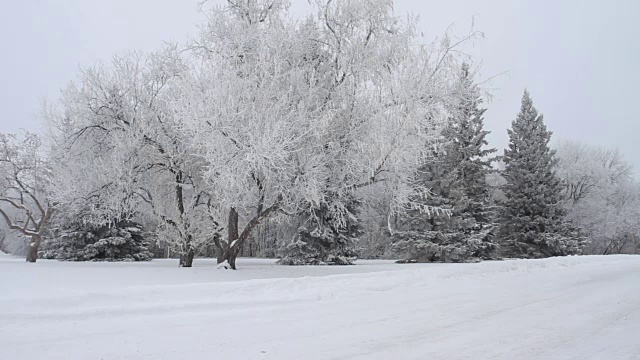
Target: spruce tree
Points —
{"points": [[468, 150], [122, 240], [533, 218], [321, 240], [456, 176]]}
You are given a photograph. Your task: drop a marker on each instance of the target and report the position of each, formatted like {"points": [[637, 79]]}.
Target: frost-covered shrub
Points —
{"points": [[123, 241], [325, 238], [309, 252], [438, 246], [547, 245], [318, 248]]}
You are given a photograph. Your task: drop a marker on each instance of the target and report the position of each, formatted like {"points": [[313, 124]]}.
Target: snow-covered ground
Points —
{"points": [[560, 308]]}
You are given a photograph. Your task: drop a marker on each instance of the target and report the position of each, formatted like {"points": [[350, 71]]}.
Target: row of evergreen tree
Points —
{"points": [[528, 222]]}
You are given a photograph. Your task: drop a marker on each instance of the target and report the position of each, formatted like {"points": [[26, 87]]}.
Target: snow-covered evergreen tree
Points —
{"points": [[121, 241], [533, 216], [468, 152], [457, 177], [322, 240]]}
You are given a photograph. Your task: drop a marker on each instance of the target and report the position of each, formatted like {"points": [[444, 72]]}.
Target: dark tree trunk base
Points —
{"points": [[186, 260], [230, 258], [220, 257], [32, 250], [236, 241], [32, 254]]}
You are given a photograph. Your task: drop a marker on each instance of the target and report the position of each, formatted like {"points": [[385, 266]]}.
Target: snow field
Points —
{"points": [[558, 308]]}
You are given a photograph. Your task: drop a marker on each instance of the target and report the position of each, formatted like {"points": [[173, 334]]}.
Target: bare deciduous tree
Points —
{"points": [[601, 196], [121, 151], [24, 204]]}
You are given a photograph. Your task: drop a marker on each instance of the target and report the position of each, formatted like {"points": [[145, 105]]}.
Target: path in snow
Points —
{"points": [[560, 308]]}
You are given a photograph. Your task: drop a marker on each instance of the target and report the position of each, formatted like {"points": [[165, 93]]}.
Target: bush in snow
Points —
{"points": [[438, 246], [122, 241], [302, 252], [324, 240]]}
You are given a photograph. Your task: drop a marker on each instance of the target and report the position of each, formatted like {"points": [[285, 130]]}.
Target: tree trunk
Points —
{"points": [[219, 249], [32, 249], [186, 258], [220, 256], [232, 237], [232, 251], [232, 226], [233, 255], [230, 256], [235, 241]]}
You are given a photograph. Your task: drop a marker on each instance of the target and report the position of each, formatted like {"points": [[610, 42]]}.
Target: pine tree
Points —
{"points": [[120, 241], [457, 179], [321, 240], [533, 218], [468, 152]]}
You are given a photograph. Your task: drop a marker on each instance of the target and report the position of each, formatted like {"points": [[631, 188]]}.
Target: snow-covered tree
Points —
{"points": [[12, 242], [300, 119], [24, 180], [467, 151], [122, 152], [320, 240], [533, 216], [457, 179], [121, 241], [601, 197]]}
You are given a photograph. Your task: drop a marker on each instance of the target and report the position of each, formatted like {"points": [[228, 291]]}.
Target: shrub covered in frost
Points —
{"points": [[324, 241], [122, 241], [438, 246]]}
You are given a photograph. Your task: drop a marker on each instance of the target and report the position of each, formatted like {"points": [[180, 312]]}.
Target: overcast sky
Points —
{"points": [[579, 59]]}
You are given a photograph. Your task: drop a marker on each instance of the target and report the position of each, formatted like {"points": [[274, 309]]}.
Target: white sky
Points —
{"points": [[578, 58]]}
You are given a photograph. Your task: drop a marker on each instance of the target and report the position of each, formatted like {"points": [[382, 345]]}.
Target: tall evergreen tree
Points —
{"points": [[457, 179], [533, 218], [467, 152]]}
